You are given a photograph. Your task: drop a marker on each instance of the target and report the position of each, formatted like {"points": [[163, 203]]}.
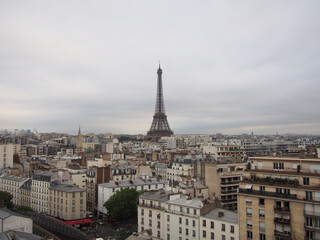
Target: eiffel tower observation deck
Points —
{"points": [[160, 126]]}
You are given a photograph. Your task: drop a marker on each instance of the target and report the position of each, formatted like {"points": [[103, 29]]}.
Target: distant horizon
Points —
{"points": [[86, 133]]}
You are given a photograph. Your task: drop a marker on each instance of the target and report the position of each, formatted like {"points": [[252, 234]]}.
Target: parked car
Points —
{"points": [[100, 222]]}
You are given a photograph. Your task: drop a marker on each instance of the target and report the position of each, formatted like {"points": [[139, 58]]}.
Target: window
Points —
{"points": [[81, 201], [249, 235], [248, 200], [187, 221], [181, 209], [158, 224], [279, 190], [204, 234], [262, 188], [223, 227], [316, 222], [309, 195], [150, 223], [180, 220], [193, 223], [261, 201], [212, 225], [223, 237], [142, 212], [193, 233], [73, 209], [81, 194], [231, 238], [73, 195], [212, 235], [262, 236], [309, 221], [249, 211], [262, 226], [188, 210], [232, 229], [168, 218], [204, 223], [305, 181], [150, 213], [195, 211], [286, 191], [187, 231], [142, 220], [158, 234], [261, 213], [73, 202], [249, 224], [278, 165], [180, 229], [168, 236]]}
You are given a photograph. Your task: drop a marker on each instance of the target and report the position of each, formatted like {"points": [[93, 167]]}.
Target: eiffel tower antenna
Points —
{"points": [[160, 126]]}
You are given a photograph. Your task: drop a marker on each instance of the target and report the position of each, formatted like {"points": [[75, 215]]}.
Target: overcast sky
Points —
{"points": [[228, 66]]}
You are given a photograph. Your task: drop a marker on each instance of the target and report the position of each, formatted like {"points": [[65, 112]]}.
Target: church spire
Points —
{"points": [[79, 142]]}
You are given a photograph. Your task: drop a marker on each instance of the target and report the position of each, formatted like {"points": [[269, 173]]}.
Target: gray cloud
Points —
{"points": [[228, 66]]}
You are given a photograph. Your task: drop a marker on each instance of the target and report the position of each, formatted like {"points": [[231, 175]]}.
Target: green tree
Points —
{"points": [[123, 205], [5, 200], [24, 209]]}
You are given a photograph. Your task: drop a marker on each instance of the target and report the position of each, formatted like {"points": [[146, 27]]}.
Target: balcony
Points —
{"points": [[150, 206], [235, 182], [282, 235], [282, 210], [232, 191], [282, 221], [268, 194]]}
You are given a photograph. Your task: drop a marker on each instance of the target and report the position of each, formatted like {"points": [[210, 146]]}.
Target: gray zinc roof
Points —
{"points": [[182, 201], [228, 216], [161, 196], [67, 188], [127, 183]]}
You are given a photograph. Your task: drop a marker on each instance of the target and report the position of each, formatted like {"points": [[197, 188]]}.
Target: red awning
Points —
{"points": [[80, 221]]}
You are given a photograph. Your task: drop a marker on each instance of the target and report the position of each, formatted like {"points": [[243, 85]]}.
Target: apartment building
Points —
{"points": [[161, 170], [120, 173], [25, 193], [151, 212], [67, 202], [106, 190], [219, 224], [279, 198], [12, 184], [40, 191], [224, 151], [170, 215], [41, 182], [6, 154], [95, 176], [222, 179]]}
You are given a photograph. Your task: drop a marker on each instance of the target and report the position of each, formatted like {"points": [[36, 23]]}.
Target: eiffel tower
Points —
{"points": [[160, 126]]}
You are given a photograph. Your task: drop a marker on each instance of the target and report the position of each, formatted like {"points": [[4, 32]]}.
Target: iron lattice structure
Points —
{"points": [[160, 126]]}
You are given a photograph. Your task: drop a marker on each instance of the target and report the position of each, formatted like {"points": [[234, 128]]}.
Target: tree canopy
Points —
{"points": [[24, 209], [123, 204], [5, 200]]}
